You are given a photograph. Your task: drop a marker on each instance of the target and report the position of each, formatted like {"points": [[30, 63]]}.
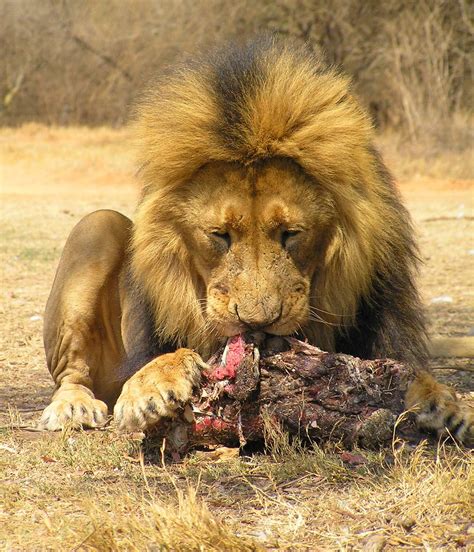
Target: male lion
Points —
{"points": [[265, 206]]}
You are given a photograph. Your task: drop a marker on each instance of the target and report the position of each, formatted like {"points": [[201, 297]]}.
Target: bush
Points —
{"points": [[83, 62]]}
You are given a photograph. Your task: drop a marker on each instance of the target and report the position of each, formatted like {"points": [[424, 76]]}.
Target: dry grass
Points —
{"points": [[93, 491], [428, 158]]}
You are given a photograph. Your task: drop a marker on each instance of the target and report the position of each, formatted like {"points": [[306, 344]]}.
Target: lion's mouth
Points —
{"points": [[237, 345]]}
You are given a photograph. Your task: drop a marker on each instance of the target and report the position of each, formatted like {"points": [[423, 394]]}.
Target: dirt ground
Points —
{"points": [[92, 491]]}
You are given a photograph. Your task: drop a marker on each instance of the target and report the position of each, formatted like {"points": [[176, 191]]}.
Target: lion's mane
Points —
{"points": [[276, 99]]}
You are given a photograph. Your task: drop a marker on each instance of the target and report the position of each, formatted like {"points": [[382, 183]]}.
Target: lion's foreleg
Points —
{"points": [[157, 390], [439, 410], [82, 333]]}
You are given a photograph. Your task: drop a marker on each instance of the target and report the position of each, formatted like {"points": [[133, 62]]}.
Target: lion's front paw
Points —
{"points": [[439, 410], [74, 406], [158, 390]]}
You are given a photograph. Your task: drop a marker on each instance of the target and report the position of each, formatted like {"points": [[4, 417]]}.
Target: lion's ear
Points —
{"points": [[162, 267]]}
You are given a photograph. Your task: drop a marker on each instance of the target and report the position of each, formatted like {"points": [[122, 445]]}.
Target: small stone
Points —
{"points": [[442, 299], [376, 543], [377, 428], [407, 523]]}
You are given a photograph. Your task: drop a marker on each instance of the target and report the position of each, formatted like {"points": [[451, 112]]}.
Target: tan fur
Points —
{"points": [[439, 410], [158, 389]]}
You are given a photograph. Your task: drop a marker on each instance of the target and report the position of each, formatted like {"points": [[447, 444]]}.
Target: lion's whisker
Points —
{"points": [[312, 307], [315, 318], [300, 329]]}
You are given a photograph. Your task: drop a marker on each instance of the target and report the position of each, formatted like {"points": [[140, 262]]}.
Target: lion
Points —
{"points": [[265, 206]]}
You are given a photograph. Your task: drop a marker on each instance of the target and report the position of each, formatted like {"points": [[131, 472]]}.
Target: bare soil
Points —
{"points": [[95, 491]]}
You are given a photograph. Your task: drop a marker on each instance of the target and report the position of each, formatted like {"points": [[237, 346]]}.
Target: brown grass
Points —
{"points": [[93, 491]]}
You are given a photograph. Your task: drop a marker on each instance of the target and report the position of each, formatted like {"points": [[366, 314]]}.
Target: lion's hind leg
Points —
{"points": [[82, 329], [439, 410]]}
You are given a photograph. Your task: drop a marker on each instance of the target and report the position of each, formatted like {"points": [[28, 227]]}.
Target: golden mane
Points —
{"points": [[269, 99]]}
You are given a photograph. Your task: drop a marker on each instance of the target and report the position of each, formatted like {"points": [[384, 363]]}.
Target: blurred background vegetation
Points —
{"points": [[71, 62]]}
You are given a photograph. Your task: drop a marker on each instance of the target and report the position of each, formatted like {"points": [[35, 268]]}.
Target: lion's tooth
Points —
{"points": [[224, 354]]}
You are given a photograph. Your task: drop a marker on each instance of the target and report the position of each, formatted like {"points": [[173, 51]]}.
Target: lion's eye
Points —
{"points": [[223, 238], [286, 236]]}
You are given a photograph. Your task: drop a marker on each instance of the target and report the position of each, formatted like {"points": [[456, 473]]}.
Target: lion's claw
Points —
{"points": [[158, 390], [451, 418], [74, 409], [440, 411]]}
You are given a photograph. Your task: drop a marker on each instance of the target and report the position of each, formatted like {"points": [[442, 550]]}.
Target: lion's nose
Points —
{"points": [[257, 320]]}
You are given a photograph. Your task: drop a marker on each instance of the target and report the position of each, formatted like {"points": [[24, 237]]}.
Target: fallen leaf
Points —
{"points": [[219, 454], [353, 459], [48, 459]]}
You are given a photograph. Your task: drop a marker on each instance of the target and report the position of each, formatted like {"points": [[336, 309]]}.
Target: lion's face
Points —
{"points": [[257, 236]]}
